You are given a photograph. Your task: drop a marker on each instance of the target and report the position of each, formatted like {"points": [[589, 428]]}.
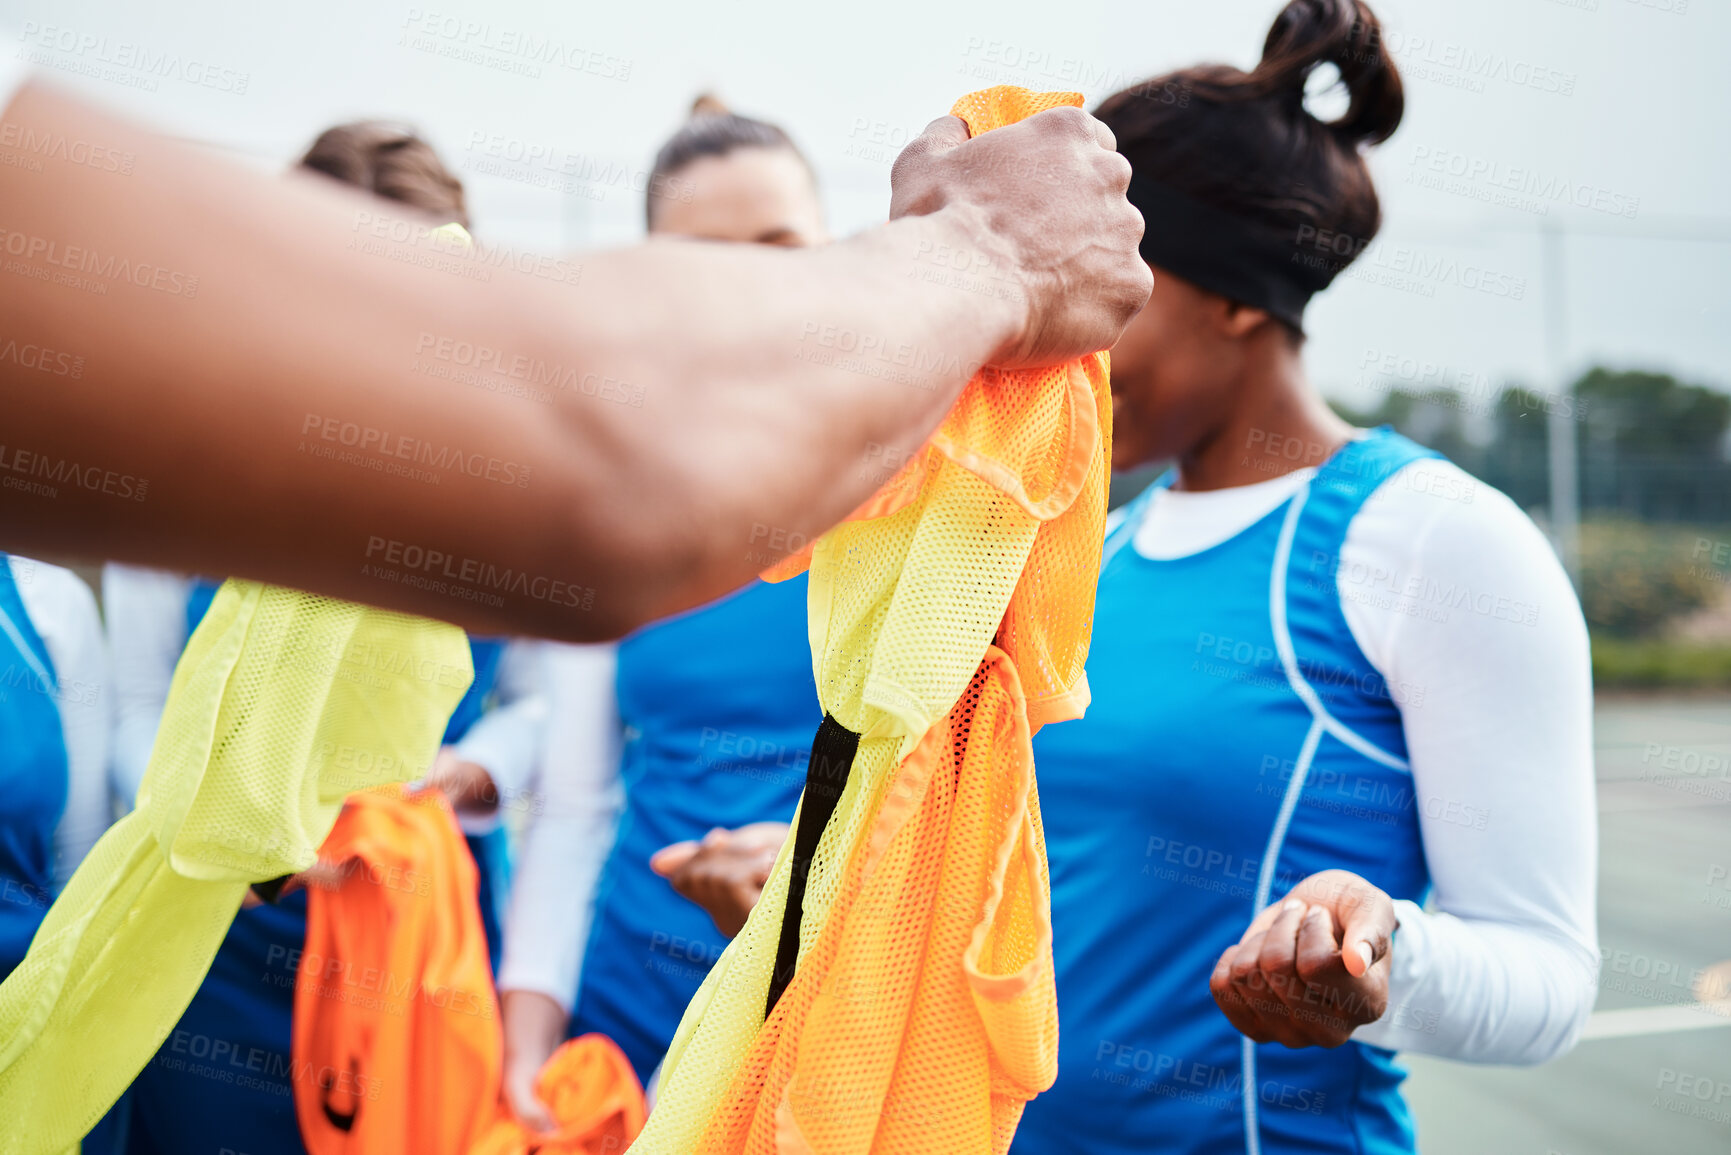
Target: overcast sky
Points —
{"points": [[1620, 105]]}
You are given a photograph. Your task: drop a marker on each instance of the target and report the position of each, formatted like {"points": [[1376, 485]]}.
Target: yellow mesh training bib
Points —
{"points": [[912, 1007], [282, 703]]}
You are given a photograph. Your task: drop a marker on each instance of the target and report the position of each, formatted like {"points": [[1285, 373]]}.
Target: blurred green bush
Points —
{"points": [[1636, 578], [1638, 582]]}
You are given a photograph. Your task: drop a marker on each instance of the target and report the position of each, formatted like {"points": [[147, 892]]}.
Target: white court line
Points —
{"points": [[1656, 1020]]}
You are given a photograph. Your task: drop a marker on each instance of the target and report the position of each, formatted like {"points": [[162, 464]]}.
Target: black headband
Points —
{"points": [[1255, 263]]}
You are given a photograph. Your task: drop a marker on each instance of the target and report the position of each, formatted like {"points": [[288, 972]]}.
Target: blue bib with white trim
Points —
{"points": [[1238, 742], [33, 774]]}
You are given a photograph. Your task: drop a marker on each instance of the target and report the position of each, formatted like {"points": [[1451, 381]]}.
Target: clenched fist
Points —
{"points": [[1044, 200]]}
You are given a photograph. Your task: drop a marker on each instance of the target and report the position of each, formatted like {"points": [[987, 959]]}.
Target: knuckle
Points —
{"points": [[1065, 120], [916, 155]]}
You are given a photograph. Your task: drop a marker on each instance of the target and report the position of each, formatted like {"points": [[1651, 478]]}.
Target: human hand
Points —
{"points": [[725, 872], [1312, 968], [534, 1025], [468, 786], [1044, 199]]}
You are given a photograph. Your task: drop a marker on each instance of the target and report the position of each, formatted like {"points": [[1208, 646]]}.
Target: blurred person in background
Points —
{"points": [[703, 722], [1333, 676], [489, 747], [55, 800]]}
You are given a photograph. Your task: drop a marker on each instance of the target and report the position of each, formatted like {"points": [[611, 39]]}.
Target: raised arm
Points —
{"points": [[277, 380]]}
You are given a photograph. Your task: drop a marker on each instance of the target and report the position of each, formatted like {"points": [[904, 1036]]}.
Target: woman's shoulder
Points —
{"points": [[63, 613], [1432, 511], [52, 594], [1439, 552]]}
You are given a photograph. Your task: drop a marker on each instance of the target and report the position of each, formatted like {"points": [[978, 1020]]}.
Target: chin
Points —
{"points": [[1131, 445], [1126, 457]]}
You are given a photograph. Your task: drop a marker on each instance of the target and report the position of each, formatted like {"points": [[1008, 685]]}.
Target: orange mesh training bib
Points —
{"points": [[397, 1045], [594, 1097], [396, 1030], [903, 943]]}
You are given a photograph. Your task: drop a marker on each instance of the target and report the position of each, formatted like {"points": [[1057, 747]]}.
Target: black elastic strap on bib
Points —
{"points": [[270, 889], [832, 753], [1255, 263]]}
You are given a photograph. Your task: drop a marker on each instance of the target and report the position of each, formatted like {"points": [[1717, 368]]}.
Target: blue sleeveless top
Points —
{"points": [[33, 774], [1238, 742], [223, 1079], [719, 708]]}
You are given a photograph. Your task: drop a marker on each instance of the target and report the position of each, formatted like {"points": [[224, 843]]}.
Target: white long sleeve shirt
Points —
{"points": [[146, 633], [577, 800], [63, 612], [506, 740], [1457, 600]]}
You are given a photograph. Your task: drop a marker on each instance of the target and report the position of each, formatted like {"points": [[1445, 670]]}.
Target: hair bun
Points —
{"points": [[1346, 34], [391, 161], [709, 104]]}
